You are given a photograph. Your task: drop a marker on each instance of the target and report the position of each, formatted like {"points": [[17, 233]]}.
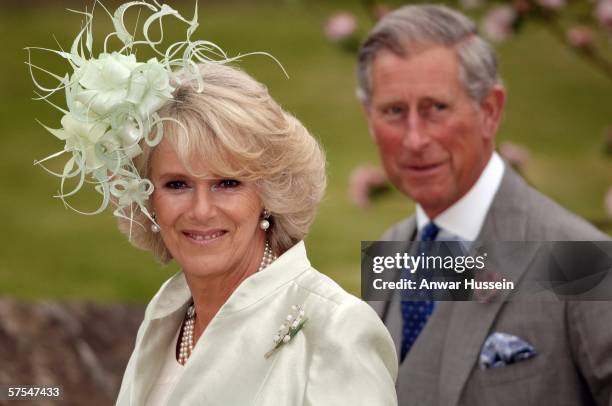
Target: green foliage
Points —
{"points": [[558, 107]]}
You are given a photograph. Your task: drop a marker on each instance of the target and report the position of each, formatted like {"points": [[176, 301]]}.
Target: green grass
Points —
{"points": [[558, 107]]}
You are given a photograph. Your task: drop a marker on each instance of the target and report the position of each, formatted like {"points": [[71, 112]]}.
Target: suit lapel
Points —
{"points": [[469, 325], [508, 216], [470, 322], [406, 231]]}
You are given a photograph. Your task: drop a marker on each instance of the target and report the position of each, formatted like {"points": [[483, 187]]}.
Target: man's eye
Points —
{"points": [[440, 106], [432, 109], [176, 184], [393, 110]]}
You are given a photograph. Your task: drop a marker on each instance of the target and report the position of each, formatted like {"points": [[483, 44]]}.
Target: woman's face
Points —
{"points": [[209, 225]]}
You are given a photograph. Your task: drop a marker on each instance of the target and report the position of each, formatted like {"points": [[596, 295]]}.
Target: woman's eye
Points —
{"points": [[176, 184], [225, 184], [228, 183]]}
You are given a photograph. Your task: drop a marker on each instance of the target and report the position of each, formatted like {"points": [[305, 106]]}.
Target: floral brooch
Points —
{"points": [[292, 324]]}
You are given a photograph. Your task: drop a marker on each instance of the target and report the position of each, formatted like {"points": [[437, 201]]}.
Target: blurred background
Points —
{"points": [[72, 289], [556, 129]]}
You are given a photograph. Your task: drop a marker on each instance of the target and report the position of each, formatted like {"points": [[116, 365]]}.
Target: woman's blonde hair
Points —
{"points": [[238, 131]]}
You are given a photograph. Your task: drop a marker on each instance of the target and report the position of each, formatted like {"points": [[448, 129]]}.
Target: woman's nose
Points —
{"points": [[202, 202]]}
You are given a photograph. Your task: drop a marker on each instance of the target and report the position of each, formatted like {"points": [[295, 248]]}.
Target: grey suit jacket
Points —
{"points": [[573, 339]]}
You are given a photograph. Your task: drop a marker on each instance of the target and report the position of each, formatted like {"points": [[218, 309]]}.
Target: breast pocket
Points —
{"points": [[513, 372], [511, 385]]}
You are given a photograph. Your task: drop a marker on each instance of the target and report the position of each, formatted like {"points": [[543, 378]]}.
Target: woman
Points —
{"points": [[236, 184]]}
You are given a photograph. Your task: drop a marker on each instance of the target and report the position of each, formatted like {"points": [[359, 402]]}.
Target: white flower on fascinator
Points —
{"points": [[149, 88], [104, 82], [82, 137]]}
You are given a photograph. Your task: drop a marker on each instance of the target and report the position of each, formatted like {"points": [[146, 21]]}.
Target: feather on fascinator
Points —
{"points": [[112, 101]]}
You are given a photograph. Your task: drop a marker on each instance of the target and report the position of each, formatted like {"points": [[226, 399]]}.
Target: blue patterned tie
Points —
{"points": [[415, 313]]}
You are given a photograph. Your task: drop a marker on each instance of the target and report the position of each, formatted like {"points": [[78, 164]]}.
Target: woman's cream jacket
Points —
{"points": [[342, 356]]}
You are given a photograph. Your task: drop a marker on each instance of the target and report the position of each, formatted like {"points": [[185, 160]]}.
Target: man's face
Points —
{"points": [[433, 140]]}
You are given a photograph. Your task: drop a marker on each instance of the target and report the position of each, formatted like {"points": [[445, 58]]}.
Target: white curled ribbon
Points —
{"points": [[129, 192]]}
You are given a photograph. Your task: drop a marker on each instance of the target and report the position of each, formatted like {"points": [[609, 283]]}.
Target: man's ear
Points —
{"points": [[492, 108], [367, 111], [371, 131]]}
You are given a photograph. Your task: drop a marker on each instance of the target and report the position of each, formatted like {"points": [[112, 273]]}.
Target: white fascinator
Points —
{"points": [[112, 100]]}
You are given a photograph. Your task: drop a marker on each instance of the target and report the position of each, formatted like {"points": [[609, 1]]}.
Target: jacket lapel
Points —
{"points": [[163, 317], [470, 322], [403, 232], [156, 340]]}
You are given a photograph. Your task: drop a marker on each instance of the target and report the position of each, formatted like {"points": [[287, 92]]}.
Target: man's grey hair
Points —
{"points": [[412, 28]]}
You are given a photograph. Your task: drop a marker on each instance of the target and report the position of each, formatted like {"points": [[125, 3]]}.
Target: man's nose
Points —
{"points": [[415, 138]]}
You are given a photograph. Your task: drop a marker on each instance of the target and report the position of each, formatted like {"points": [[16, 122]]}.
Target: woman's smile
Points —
{"points": [[204, 237]]}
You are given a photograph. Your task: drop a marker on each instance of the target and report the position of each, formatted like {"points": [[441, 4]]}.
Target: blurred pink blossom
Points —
{"points": [[497, 23], [608, 203], [517, 155], [580, 36], [365, 180], [340, 26], [552, 4], [603, 13]]}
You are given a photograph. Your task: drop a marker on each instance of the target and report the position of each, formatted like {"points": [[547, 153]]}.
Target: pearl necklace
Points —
{"points": [[186, 347]]}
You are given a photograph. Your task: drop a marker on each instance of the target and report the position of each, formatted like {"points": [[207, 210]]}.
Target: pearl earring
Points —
{"points": [[265, 224], [154, 227]]}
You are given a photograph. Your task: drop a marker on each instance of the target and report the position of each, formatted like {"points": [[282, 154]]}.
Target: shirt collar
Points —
{"points": [[465, 217]]}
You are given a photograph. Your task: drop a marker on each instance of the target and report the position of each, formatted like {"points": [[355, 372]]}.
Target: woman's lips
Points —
{"points": [[203, 237]]}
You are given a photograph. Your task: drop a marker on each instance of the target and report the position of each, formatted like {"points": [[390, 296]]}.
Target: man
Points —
{"points": [[433, 100]]}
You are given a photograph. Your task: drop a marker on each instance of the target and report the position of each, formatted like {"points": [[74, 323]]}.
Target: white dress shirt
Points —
{"points": [[463, 220], [343, 355]]}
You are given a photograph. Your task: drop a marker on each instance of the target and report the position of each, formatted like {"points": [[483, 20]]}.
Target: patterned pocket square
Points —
{"points": [[501, 349]]}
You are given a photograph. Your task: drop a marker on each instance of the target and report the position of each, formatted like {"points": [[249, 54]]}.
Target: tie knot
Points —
{"points": [[429, 232]]}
